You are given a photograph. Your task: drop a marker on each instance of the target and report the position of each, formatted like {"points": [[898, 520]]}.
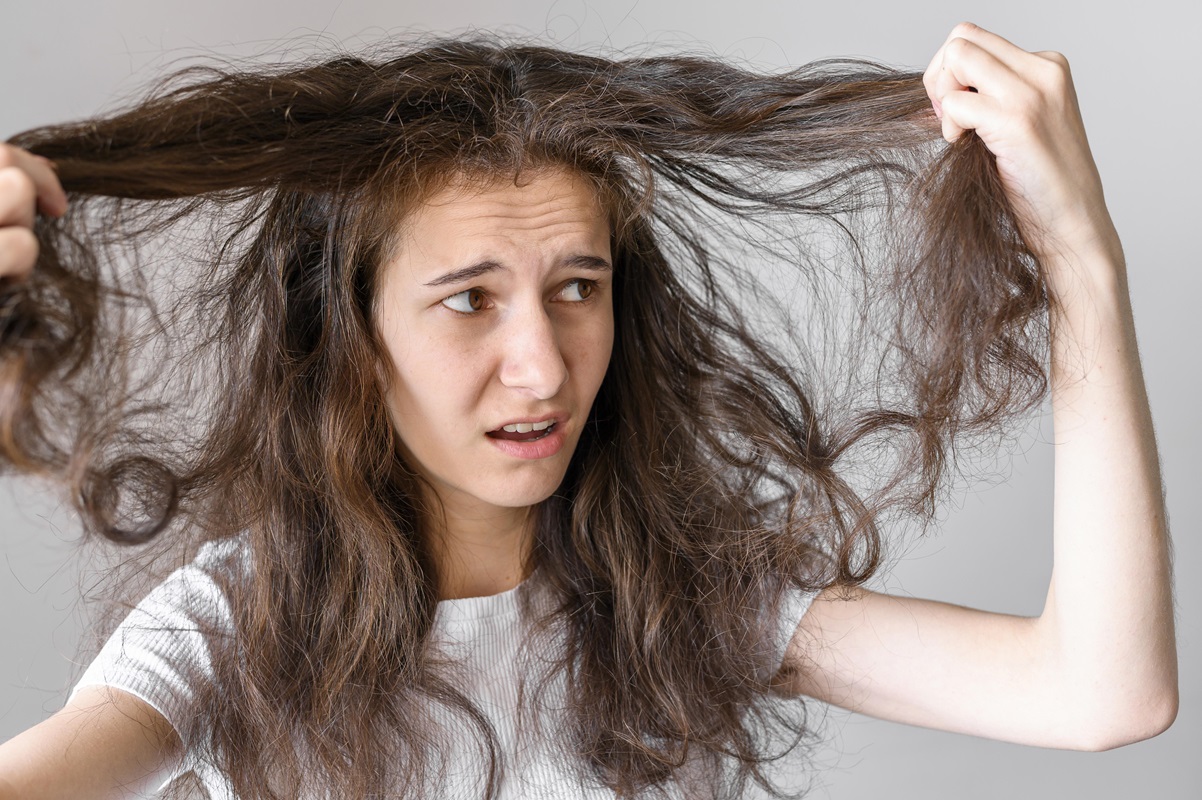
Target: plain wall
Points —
{"points": [[67, 60]]}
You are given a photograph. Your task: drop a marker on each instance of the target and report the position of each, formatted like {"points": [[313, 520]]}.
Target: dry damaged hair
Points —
{"points": [[715, 469]]}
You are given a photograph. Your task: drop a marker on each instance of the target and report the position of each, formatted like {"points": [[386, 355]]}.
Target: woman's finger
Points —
{"points": [[969, 73], [966, 111], [965, 67], [18, 251], [18, 195], [930, 74], [966, 64], [51, 199], [999, 47], [1004, 52]]}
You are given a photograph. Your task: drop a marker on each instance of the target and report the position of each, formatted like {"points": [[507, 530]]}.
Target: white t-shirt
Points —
{"points": [[159, 655]]}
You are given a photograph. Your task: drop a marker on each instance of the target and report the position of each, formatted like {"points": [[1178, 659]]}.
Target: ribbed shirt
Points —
{"points": [[159, 654]]}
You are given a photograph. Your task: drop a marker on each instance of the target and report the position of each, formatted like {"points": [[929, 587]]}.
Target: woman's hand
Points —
{"points": [[27, 185], [1024, 107]]}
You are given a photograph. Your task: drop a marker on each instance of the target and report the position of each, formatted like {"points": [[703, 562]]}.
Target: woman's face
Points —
{"points": [[497, 308]]}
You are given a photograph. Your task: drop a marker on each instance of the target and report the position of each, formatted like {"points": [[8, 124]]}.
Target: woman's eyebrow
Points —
{"points": [[595, 263]]}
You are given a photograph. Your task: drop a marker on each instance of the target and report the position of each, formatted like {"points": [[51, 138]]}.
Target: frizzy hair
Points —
{"points": [[709, 478]]}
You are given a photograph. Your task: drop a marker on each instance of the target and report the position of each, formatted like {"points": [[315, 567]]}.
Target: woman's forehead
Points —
{"points": [[553, 215], [550, 203]]}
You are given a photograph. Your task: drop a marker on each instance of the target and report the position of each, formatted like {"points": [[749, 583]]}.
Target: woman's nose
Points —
{"points": [[531, 357]]}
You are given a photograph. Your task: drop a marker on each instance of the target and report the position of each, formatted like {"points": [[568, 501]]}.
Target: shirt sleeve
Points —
{"points": [[161, 651]]}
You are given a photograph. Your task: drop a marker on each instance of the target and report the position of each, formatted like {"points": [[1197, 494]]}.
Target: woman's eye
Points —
{"points": [[466, 302], [579, 290], [470, 301]]}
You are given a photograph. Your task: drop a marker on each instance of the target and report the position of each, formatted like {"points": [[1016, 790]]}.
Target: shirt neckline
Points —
{"points": [[492, 605]]}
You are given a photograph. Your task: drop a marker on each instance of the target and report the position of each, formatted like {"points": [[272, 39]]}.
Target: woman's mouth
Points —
{"points": [[525, 432]]}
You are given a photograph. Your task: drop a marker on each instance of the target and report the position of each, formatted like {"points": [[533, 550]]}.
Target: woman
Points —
{"points": [[474, 428]]}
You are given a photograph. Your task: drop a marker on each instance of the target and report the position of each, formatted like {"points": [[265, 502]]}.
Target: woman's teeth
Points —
{"points": [[526, 427], [524, 431]]}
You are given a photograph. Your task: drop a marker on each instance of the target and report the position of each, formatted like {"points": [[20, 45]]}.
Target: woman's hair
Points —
{"points": [[716, 470]]}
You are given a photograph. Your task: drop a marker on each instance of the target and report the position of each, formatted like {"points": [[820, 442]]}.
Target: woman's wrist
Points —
{"points": [[1094, 271]]}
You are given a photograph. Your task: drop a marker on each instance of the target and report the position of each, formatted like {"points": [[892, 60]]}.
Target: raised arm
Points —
{"points": [[105, 743], [1098, 668]]}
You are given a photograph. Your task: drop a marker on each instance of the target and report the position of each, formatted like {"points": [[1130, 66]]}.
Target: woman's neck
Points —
{"points": [[481, 553]]}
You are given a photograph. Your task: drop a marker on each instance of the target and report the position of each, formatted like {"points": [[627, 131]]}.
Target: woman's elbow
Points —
{"points": [[1151, 715]]}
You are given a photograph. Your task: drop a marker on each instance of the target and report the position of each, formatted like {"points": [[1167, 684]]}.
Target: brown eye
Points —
{"points": [[584, 289], [466, 302]]}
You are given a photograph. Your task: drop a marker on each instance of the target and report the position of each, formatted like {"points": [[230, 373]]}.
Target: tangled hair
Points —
{"points": [[713, 473]]}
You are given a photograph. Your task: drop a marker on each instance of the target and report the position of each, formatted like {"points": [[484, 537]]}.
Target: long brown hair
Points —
{"points": [[716, 470]]}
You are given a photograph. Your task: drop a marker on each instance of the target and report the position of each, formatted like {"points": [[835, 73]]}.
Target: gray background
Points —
{"points": [[66, 60]]}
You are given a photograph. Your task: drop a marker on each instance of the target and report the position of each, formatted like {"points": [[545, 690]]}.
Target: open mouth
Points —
{"points": [[520, 436]]}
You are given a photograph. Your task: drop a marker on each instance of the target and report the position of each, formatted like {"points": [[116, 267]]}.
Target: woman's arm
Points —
{"points": [[1098, 668], [103, 745]]}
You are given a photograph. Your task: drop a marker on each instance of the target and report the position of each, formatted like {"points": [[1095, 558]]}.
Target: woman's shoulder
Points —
{"points": [[162, 651], [230, 555], [196, 594]]}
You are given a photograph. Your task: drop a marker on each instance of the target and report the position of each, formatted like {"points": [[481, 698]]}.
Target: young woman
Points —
{"points": [[499, 492]]}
